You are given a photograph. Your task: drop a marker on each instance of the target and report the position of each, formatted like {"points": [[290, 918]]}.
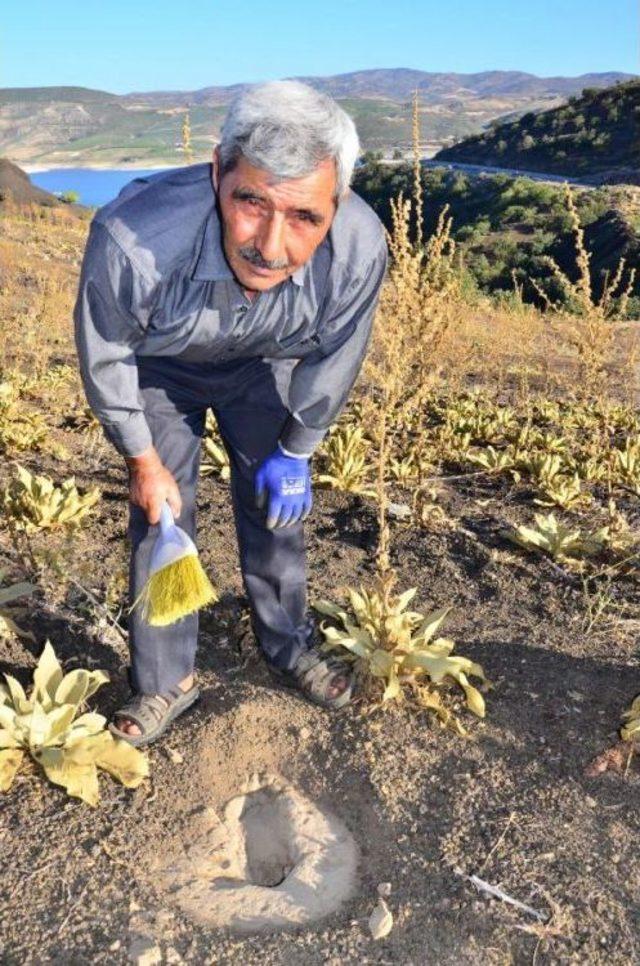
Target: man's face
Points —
{"points": [[270, 229]]}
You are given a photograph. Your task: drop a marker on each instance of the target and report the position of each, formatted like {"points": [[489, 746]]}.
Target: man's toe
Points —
{"points": [[127, 726], [338, 686]]}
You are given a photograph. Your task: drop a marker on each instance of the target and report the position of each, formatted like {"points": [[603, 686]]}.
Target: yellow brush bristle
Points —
{"points": [[174, 591]]}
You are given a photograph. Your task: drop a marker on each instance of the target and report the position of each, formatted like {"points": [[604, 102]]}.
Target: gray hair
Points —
{"points": [[288, 128]]}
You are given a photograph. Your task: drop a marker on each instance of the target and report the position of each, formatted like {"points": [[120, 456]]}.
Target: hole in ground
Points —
{"points": [[266, 830], [275, 860]]}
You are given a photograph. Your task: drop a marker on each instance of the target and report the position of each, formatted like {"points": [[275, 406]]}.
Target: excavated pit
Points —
{"points": [[274, 860]]}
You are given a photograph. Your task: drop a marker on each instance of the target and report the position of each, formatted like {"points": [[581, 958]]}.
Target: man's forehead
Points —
{"points": [[316, 187]]}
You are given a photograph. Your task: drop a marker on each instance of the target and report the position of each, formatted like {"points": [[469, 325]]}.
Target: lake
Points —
{"points": [[95, 187]]}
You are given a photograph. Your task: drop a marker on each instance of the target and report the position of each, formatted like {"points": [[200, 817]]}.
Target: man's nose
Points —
{"points": [[270, 242]]}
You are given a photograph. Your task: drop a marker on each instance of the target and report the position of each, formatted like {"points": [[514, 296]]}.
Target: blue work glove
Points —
{"points": [[283, 484]]}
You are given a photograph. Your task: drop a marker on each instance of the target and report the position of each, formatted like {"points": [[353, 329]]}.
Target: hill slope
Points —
{"points": [[75, 126], [595, 134], [16, 187]]}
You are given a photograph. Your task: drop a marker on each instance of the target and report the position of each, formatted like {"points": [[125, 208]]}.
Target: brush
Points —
{"points": [[177, 584]]}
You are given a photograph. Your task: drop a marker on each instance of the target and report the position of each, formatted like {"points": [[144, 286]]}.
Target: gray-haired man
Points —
{"points": [[247, 286]]}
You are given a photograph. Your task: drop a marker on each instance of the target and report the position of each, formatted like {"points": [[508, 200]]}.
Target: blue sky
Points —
{"points": [[127, 45]]}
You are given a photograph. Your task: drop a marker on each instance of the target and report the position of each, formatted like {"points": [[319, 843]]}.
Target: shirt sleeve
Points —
{"points": [[321, 382], [107, 334]]}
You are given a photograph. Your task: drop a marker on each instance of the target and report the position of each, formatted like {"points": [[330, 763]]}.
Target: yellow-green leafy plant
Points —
{"points": [[392, 647], [345, 461], [592, 469], [37, 503], [622, 539], [550, 443], [404, 470], [8, 611], [451, 446], [630, 731], [562, 543], [626, 464], [53, 727], [57, 377], [493, 460], [565, 492], [215, 459], [19, 429], [543, 468], [84, 421]]}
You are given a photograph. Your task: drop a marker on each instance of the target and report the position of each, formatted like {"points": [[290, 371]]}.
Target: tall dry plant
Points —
{"points": [[584, 320], [393, 650], [187, 148], [417, 305]]}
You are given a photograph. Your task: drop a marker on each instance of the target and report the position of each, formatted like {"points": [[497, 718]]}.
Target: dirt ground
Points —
{"points": [[510, 804]]}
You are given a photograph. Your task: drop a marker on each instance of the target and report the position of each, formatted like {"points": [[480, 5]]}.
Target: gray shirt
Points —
{"points": [[155, 282]]}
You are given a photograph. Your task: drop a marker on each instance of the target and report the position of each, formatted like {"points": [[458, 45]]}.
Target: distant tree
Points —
{"points": [[397, 154], [69, 197]]}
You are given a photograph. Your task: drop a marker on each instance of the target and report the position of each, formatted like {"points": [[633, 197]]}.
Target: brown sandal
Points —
{"points": [[153, 713], [313, 674]]}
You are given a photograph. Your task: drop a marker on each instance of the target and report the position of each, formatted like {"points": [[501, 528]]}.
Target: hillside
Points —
{"points": [[597, 134], [78, 127], [504, 227], [16, 187]]}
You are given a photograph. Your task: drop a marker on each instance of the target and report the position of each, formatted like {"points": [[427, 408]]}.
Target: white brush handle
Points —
{"points": [[167, 523], [172, 543]]}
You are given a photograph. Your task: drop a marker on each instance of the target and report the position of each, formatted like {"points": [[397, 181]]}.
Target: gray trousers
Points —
{"points": [[246, 396]]}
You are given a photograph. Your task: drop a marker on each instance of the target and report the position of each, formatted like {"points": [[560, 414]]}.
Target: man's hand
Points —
{"points": [[150, 484], [283, 483]]}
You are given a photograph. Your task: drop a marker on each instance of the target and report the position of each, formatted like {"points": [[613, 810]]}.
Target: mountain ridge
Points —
{"points": [[75, 127]]}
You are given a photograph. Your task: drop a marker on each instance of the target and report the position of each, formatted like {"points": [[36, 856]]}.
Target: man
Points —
{"points": [[249, 286]]}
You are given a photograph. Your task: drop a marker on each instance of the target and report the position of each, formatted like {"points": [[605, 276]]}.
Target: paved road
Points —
{"points": [[512, 172], [487, 169]]}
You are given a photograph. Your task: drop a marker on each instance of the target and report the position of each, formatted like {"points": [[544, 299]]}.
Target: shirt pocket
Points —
{"points": [[185, 324]]}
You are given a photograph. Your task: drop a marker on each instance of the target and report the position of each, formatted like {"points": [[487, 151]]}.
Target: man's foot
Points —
{"points": [[145, 717], [322, 678]]}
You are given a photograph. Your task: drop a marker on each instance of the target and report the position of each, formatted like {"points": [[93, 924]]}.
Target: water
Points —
{"points": [[94, 187]]}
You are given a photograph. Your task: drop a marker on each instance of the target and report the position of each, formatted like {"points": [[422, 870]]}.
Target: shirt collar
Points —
{"points": [[211, 264]]}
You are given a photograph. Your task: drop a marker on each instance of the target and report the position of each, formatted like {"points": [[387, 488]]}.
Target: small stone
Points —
{"points": [[399, 511], [304, 733], [115, 945], [591, 802], [144, 952], [384, 889], [380, 920], [173, 755]]}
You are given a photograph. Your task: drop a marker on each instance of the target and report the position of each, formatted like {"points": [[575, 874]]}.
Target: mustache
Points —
{"points": [[253, 256]]}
